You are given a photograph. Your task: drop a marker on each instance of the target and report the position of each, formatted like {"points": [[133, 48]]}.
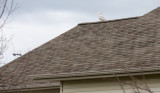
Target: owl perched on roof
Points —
{"points": [[100, 16]]}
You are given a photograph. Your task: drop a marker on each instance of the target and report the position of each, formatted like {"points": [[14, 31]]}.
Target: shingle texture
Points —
{"points": [[132, 43]]}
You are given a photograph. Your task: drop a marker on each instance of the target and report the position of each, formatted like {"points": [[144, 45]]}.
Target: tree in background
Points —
{"points": [[7, 7], [138, 85]]}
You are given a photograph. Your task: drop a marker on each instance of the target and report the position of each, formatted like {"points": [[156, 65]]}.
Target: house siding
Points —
{"points": [[108, 85]]}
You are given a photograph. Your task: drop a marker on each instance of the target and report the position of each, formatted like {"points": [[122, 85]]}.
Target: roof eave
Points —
{"points": [[91, 75], [29, 88]]}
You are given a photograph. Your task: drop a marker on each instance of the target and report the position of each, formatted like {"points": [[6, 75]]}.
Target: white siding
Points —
{"points": [[103, 86]]}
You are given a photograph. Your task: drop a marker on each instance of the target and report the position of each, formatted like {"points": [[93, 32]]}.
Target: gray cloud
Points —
{"points": [[111, 8]]}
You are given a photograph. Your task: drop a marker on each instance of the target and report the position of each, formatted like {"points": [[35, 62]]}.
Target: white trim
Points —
{"points": [[61, 87]]}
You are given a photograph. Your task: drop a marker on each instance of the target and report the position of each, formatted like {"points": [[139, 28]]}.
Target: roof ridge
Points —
{"points": [[85, 23]]}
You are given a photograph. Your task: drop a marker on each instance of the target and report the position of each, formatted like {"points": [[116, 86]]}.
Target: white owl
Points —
{"points": [[100, 16]]}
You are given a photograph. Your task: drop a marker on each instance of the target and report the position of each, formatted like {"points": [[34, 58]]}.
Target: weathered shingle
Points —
{"points": [[130, 43]]}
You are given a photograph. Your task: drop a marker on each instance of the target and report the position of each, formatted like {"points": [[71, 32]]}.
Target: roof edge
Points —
{"points": [[153, 10]]}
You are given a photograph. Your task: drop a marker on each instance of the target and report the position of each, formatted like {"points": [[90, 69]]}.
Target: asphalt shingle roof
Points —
{"points": [[132, 43]]}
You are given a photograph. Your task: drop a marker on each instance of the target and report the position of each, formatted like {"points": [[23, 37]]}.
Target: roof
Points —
{"points": [[132, 43]]}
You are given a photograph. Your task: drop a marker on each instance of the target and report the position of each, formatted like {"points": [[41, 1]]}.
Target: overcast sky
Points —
{"points": [[38, 21]]}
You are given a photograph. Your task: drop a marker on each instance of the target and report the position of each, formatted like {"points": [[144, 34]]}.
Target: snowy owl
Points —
{"points": [[100, 16]]}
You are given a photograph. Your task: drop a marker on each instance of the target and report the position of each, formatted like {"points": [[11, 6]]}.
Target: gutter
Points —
{"points": [[29, 88], [93, 75]]}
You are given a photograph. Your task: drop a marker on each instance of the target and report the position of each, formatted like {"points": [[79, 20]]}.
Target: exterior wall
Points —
{"points": [[107, 85], [36, 91]]}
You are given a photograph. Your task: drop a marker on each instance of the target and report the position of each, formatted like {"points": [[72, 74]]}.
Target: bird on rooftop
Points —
{"points": [[100, 16]]}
